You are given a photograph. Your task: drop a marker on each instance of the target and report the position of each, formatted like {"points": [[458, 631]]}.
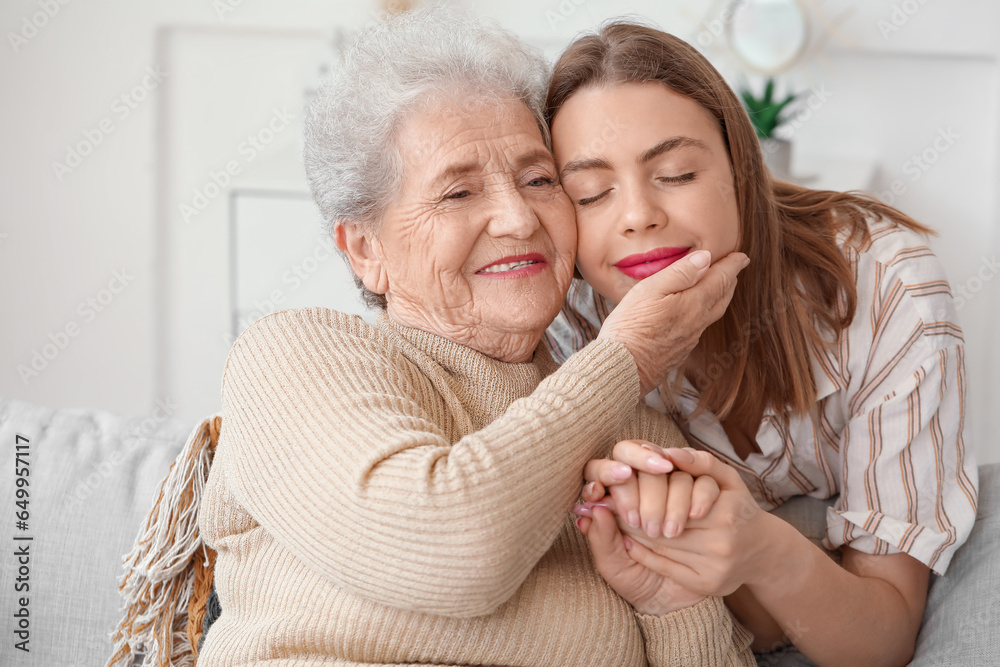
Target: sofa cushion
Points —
{"points": [[962, 615], [93, 475]]}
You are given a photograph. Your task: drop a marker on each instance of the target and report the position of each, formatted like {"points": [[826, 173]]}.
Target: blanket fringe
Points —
{"points": [[169, 572]]}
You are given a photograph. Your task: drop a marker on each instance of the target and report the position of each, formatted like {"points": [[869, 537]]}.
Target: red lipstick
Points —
{"points": [[645, 264]]}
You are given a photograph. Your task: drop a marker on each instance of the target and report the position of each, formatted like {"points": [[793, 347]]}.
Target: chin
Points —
{"points": [[529, 307], [529, 318]]}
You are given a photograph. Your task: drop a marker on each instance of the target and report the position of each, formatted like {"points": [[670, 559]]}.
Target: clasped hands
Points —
{"points": [[668, 527]]}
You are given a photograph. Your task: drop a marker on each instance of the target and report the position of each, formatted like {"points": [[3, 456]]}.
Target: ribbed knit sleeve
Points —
{"points": [[336, 444], [702, 634]]}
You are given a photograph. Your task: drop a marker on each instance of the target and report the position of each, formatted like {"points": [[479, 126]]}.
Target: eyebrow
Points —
{"points": [[453, 171], [670, 144], [665, 146], [458, 169], [538, 156], [584, 164]]}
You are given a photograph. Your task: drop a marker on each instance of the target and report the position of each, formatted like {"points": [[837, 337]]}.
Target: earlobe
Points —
{"points": [[362, 252]]}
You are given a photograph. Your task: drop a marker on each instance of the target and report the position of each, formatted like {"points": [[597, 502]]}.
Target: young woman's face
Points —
{"points": [[649, 176]]}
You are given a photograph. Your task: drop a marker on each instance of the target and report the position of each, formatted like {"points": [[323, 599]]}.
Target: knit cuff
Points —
{"points": [[610, 362], [702, 634]]}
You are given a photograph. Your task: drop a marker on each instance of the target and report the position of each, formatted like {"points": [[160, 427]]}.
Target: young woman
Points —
{"points": [[837, 371]]}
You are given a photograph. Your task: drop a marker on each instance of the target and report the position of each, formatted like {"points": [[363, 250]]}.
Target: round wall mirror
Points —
{"points": [[768, 36]]}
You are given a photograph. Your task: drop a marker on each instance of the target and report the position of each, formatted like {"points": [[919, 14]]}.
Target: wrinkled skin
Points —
{"points": [[479, 186]]}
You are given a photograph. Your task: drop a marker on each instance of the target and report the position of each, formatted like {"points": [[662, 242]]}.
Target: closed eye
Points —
{"points": [[458, 194], [591, 200], [674, 180]]}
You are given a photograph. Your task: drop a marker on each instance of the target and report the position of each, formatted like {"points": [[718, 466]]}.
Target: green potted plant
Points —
{"points": [[766, 114]]}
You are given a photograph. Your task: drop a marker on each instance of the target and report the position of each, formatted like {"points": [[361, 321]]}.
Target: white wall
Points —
{"points": [[61, 240], [161, 336]]}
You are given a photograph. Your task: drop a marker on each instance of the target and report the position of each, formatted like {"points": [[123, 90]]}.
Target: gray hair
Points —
{"points": [[352, 164]]}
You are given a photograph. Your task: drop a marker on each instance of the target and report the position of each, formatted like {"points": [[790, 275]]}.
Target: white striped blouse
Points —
{"points": [[888, 430]]}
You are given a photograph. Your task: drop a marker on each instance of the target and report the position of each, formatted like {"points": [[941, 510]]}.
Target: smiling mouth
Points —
{"points": [[520, 265], [513, 266], [643, 265]]}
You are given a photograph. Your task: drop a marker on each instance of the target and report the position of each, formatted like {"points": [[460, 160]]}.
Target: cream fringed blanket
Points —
{"points": [[168, 573]]}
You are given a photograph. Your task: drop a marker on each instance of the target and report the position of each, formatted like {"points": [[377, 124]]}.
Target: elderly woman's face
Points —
{"points": [[479, 245]]}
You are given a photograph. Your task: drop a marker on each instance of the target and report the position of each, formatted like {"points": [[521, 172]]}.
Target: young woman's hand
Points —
{"points": [[664, 500], [656, 503], [647, 590], [716, 553]]}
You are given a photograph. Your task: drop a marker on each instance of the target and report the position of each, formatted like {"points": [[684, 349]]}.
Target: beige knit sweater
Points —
{"points": [[381, 495]]}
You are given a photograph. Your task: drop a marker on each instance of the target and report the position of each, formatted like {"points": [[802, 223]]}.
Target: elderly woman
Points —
{"points": [[400, 493]]}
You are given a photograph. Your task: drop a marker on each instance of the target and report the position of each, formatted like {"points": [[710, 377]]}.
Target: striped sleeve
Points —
{"points": [[906, 486], [578, 322], [907, 482]]}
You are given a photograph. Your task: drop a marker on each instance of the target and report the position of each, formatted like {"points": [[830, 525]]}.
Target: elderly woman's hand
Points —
{"points": [[648, 591], [661, 319]]}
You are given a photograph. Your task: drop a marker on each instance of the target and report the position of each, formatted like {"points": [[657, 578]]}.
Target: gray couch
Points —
{"points": [[92, 479], [93, 476]]}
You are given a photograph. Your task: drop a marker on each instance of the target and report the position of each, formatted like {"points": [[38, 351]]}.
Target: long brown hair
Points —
{"points": [[798, 285]]}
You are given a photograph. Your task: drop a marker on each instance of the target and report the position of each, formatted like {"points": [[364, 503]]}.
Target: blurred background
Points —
{"points": [[154, 203]]}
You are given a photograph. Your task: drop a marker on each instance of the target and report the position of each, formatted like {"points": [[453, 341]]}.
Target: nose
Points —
{"points": [[512, 216], [640, 212]]}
